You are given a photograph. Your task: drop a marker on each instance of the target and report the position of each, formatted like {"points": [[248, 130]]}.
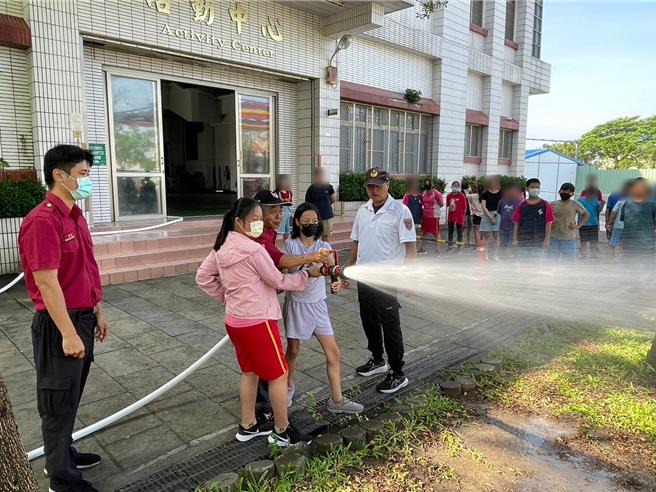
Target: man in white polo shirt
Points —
{"points": [[383, 231]]}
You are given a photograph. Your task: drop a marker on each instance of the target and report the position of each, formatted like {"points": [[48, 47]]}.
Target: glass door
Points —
{"points": [[135, 124], [254, 143]]}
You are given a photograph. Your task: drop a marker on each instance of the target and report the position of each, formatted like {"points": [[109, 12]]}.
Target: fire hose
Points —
{"points": [[334, 271]]}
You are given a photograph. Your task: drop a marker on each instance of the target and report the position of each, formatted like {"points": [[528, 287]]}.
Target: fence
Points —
{"points": [[611, 180]]}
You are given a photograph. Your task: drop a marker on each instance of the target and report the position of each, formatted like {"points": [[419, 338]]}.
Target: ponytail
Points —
{"points": [[241, 209]]}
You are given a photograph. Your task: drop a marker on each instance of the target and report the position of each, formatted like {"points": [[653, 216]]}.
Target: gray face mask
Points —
{"points": [[534, 192]]}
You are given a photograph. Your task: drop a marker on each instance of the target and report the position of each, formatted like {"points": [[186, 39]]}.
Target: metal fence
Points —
{"points": [[9, 261], [611, 180]]}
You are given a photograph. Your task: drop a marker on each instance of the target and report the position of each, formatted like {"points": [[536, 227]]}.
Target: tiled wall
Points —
{"points": [[370, 62], [15, 113]]}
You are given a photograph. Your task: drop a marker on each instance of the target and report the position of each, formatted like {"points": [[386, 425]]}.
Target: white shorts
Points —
{"points": [[302, 320]]}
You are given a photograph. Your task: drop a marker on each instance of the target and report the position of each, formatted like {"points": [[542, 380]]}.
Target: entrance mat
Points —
{"points": [[442, 354]]}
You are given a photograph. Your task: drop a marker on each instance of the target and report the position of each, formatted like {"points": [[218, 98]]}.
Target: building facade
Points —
{"points": [[188, 103]]}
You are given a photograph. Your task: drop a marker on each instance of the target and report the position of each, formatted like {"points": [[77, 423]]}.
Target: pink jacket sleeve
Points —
{"points": [[273, 277], [208, 278]]}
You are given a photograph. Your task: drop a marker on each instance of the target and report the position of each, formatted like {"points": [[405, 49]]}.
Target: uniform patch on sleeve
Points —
{"points": [[408, 224]]}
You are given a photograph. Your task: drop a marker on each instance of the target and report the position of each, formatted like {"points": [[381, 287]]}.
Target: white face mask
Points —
{"points": [[257, 228], [534, 192]]}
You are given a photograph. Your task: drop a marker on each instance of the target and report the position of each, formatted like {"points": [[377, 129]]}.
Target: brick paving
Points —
{"points": [[161, 326]]}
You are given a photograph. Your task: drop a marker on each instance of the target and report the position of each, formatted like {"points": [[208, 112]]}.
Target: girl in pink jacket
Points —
{"points": [[240, 273]]}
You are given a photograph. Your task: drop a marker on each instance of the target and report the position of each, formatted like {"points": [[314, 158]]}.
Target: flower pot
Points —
{"points": [[9, 260]]}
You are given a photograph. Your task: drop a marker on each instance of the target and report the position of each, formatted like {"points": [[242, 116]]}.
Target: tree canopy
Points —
{"points": [[622, 143]]}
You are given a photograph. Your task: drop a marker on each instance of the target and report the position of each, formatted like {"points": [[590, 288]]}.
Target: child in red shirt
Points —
{"points": [[284, 192], [456, 206]]}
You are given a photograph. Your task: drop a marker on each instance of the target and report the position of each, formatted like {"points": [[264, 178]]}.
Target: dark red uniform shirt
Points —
{"points": [[54, 237], [268, 240]]}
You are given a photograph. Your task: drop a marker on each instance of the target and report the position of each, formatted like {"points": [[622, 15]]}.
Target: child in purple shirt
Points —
{"points": [[512, 197]]}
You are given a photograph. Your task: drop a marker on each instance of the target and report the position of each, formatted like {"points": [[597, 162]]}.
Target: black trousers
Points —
{"points": [[262, 402], [60, 382], [458, 229], [379, 312]]}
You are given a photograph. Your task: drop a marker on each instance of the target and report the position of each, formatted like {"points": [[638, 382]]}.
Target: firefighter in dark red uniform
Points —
{"points": [[62, 278]]}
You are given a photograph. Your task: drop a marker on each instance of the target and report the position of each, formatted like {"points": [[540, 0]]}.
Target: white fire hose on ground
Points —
{"points": [[107, 421]]}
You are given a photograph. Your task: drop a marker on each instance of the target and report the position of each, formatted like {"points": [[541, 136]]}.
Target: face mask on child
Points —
{"points": [[309, 230], [257, 228], [455, 189], [565, 196], [534, 192]]}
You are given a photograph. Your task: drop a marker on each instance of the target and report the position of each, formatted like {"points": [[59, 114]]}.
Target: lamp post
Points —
{"points": [[331, 71]]}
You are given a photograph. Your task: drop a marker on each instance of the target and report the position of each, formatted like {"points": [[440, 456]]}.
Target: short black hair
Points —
{"points": [[465, 186], [64, 157], [568, 187], [300, 210], [530, 181]]}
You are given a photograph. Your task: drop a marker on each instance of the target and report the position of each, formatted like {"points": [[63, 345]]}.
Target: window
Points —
{"points": [[510, 20], [505, 144], [371, 136], [476, 12], [537, 29], [473, 140]]}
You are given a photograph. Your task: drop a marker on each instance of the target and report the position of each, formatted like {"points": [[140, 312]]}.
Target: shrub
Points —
{"points": [[505, 181], [413, 96], [17, 198], [352, 189]]}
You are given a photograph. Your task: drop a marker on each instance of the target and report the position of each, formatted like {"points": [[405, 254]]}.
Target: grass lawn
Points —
{"points": [[594, 380]]}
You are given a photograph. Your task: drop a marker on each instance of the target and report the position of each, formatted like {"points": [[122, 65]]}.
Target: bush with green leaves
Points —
{"points": [[505, 181], [17, 198], [352, 189]]}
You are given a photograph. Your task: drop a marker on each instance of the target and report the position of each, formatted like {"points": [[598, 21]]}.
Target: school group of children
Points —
{"points": [[513, 216]]}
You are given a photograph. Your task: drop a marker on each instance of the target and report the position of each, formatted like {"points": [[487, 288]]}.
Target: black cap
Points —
{"points": [[376, 176], [268, 197]]}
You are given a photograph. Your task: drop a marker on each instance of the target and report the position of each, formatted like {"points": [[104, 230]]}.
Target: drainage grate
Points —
{"points": [[421, 371]]}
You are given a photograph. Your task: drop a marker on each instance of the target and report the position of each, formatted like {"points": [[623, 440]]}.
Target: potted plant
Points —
{"points": [[413, 96], [17, 198]]}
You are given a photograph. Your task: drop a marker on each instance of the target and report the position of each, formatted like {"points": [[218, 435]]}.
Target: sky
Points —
{"points": [[603, 66]]}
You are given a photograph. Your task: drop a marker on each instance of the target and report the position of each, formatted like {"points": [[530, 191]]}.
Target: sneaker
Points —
{"points": [[244, 434], [290, 395], [372, 367], [81, 486], [84, 461], [422, 251], [345, 406], [288, 437], [393, 382]]}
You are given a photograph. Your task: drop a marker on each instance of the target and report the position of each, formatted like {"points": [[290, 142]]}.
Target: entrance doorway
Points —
{"points": [[200, 154], [183, 149]]}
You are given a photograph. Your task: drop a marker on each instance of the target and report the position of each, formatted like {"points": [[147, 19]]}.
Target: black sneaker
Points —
{"points": [[256, 430], [84, 461], [288, 437], [393, 382], [81, 486], [372, 367]]}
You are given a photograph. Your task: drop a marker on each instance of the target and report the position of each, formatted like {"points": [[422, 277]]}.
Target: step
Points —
{"points": [[146, 258], [114, 276]]}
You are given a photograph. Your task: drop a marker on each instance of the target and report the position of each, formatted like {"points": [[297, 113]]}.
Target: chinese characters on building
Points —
{"points": [[203, 11]]}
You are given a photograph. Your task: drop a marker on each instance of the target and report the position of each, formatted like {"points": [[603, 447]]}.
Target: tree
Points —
{"points": [[621, 143], [14, 468], [567, 148], [431, 6]]}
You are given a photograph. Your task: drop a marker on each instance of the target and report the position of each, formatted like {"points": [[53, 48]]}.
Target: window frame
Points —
{"points": [[469, 133], [536, 47], [471, 12], [504, 135], [405, 166], [513, 22]]}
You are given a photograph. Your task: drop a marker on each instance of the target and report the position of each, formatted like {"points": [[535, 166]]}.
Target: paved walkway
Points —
{"points": [[158, 328]]}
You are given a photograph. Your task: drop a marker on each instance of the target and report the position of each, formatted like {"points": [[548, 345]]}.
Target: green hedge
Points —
{"points": [[352, 189], [17, 198]]}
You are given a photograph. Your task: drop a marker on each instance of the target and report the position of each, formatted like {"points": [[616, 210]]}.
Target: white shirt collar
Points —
{"points": [[370, 203]]}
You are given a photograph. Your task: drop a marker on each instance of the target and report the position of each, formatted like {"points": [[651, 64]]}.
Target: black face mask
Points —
{"points": [[565, 196], [309, 230], [427, 187]]}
